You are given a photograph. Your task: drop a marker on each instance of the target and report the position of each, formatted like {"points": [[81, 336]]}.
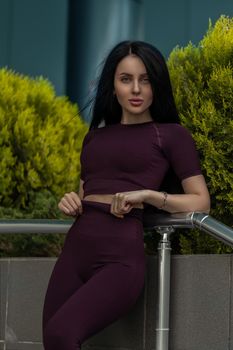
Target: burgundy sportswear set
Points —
{"points": [[100, 273]]}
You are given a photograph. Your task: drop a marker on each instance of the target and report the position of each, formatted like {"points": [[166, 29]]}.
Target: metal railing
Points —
{"points": [[165, 225]]}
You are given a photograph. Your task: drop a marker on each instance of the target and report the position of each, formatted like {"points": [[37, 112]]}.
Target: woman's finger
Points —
{"points": [[67, 209], [119, 202], [120, 216], [114, 203], [72, 200], [127, 207], [70, 204], [123, 205], [74, 196], [114, 213], [113, 208]]}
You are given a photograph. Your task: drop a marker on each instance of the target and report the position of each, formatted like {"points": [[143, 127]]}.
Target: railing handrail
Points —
{"points": [[34, 226], [202, 221], [154, 221]]}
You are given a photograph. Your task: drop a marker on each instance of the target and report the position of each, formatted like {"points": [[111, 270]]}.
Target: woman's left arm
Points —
{"points": [[195, 198]]}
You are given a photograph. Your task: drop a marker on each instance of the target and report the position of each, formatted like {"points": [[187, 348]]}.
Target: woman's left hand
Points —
{"points": [[123, 202]]}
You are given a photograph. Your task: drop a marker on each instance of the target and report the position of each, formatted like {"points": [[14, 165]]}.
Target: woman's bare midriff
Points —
{"points": [[106, 198]]}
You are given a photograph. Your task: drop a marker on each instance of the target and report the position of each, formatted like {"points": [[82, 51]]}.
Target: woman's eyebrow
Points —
{"points": [[123, 73], [130, 75]]}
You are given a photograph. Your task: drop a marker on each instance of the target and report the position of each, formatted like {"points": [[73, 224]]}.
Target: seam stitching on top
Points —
{"points": [[158, 135]]}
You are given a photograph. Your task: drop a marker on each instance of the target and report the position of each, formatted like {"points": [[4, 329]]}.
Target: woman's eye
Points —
{"points": [[145, 80], [125, 79]]}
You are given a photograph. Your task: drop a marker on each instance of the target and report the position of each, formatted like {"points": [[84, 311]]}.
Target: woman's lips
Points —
{"points": [[135, 102]]}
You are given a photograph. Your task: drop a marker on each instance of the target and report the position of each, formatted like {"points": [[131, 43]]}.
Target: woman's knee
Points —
{"points": [[59, 338]]}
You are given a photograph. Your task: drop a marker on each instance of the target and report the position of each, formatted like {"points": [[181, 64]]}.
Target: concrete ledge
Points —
{"points": [[201, 306]]}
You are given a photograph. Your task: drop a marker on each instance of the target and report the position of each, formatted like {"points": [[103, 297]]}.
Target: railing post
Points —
{"points": [[164, 264]]}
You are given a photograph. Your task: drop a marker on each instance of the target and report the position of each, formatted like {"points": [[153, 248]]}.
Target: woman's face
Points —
{"points": [[132, 87]]}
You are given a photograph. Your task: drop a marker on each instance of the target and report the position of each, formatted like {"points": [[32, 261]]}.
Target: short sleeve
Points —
{"points": [[181, 152]]}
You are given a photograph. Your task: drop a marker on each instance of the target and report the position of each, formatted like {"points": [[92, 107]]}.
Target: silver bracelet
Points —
{"points": [[164, 200]]}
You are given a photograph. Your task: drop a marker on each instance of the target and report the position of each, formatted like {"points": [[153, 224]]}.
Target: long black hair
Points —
{"points": [[106, 107]]}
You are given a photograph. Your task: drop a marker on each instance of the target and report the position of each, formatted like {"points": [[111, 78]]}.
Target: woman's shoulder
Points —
{"points": [[173, 131], [87, 136], [171, 128], [174, 135], [96, 131]]}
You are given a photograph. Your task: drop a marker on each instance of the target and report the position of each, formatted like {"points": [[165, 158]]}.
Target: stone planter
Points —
{"points": [[201, 306]]}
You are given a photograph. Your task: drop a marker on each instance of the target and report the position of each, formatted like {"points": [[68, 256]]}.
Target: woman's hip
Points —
{"points": [[97, 234], [97, 221]]}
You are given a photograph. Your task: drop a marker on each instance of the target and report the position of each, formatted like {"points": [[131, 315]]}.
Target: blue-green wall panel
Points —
{"points": [[5, 31], [38, 39], [34, 40], [170, 23], [96, 26], [201, 11], [166, 23]]}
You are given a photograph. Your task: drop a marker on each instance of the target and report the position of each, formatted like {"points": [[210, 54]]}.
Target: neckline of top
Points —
{"points": [[137, 124]]}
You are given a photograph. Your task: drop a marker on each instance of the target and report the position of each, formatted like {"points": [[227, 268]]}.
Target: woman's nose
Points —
{"points": [[136, 87]]}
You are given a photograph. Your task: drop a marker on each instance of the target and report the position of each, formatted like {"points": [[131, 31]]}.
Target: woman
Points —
{"points": [[100, 272]]}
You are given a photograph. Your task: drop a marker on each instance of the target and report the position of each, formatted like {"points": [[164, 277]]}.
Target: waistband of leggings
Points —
{"points": [[105, 207]]}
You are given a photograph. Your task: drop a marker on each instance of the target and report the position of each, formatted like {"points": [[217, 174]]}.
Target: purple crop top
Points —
{"points": [[129, 157]]}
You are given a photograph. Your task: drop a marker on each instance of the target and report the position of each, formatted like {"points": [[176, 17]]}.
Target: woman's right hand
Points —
{"points": [[70, 204]]}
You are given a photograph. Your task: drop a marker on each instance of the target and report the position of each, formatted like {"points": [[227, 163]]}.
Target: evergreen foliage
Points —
{"points": [[40, 142], [41, 205], [202, 79], [40, 139]]}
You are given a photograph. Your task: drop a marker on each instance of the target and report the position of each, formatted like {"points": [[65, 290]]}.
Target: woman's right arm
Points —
{"points": [[71, 204]]}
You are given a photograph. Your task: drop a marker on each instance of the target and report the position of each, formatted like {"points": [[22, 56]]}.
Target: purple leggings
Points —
{"points": [[97, 278]]}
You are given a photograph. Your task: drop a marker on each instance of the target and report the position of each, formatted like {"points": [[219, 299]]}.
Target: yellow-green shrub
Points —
{"points": [[202, 79], [40, 139]]}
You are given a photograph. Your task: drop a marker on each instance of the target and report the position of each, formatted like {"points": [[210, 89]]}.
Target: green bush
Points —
{"points": [[40, 139], [25, 245], [42, 205], [202, 79], [40, 143]]}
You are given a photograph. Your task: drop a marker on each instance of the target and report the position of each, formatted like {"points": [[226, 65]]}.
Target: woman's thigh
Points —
{"points": [[109, 294], [64, 281]]}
